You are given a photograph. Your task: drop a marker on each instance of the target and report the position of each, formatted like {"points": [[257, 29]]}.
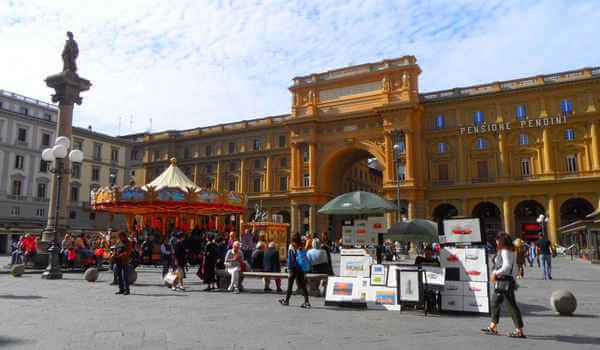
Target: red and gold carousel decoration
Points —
{"points": [[172, 195]]}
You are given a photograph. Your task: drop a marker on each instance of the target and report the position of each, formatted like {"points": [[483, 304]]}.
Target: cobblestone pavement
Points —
{"points": [[74, 314]]}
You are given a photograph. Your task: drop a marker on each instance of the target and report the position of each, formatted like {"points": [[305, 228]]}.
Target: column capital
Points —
{"points": [[68, 86]]}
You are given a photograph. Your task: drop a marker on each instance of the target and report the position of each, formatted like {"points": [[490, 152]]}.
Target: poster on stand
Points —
{"points": [[360, 232], [355, 265], [434, 276], [382, 296], [410, 286], [378, 275], [348, 237], [343, 289], [461, 231], [376, 226], [452, 257]]}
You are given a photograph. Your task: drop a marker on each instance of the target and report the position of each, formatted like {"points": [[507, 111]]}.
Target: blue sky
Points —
{"points": [[191, 63]]}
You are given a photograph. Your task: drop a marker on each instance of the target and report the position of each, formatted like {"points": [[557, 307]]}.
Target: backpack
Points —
{"points": [[302, 260]]}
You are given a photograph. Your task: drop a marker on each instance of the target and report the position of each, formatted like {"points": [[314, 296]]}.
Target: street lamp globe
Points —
{"points": [[48, 155], [59, 151], [76, 156], [63, 140]]}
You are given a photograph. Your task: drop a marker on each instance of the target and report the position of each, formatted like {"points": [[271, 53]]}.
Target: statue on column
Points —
{"points": [[69, 54]]}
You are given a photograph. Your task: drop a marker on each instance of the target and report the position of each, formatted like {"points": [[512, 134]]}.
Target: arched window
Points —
{"points": [[478, 118], [569, 134], [442, 147], [523, 139], [440, 122], [521, 112], [481, 144]]}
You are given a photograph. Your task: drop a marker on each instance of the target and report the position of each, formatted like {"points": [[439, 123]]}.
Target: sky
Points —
{"points": [[158, 65]]}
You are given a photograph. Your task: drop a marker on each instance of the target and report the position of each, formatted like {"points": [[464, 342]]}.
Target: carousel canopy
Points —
{"points": [[170, 193]]}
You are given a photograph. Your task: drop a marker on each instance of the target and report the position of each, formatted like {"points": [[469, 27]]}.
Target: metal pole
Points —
{"points": [[53, 270]]}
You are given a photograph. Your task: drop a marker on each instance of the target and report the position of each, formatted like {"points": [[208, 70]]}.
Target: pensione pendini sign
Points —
{"points": [[522, 124]]}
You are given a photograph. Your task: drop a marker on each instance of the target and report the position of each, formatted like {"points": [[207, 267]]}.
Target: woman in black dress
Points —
{"points": [[210, 262]]}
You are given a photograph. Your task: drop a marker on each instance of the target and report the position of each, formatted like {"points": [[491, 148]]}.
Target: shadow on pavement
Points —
{"points": [[159, 294], [8, 341], [571, 339], [20, 297]]}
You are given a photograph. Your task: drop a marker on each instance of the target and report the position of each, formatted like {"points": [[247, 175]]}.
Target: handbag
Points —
{"points": [[170, 277], [504, 285]]}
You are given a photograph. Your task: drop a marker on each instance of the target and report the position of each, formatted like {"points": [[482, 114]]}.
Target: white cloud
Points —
{"points": [[191, 63]]}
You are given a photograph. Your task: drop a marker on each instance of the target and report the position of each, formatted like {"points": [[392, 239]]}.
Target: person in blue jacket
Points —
{"points": [[296, 271]]}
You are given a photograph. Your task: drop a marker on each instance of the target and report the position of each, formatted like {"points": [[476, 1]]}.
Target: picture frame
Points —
{"points": [[410, 286], [343, 289], [378, 276]]}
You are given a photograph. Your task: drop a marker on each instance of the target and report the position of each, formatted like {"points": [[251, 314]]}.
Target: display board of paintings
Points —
{"points": [[348, 236], [360, 232]]}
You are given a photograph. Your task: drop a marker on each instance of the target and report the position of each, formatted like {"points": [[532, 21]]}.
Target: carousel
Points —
{"points": [[172, 199]]}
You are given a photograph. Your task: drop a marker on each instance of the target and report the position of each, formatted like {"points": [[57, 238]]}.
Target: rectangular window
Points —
{"points": [[22, 135], [282, 141], [257, 146], [19, 162], [76, 170], [74, 194], [15, 211], [97, 151], [284, 162], [156, 155], [134, 154], [283, 183], [40, 212], [306, 180], [257, 184], [257, 164], [482, 169], [566, 106], [186, 153], [440, 122], [95, 173], [478, 118], [231, 148], [209, 169], [17, 187], [400, 147], [45, 139], [114, 154], [521, 112], [208, 150], [41, 190], [305, 154], [48, 116], [572, 163], [113, 175], [43, 166], [525, 167], [443, 172], [78, 144], [401, 171], [24, 110]]}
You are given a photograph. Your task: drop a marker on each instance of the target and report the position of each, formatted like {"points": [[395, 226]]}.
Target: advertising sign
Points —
{"points": [[348, 236], [376, 225], [360, 232], [462, 231]]}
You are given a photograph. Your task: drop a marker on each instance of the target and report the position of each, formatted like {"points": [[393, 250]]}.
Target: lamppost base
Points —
{"points": [[52, 275]]}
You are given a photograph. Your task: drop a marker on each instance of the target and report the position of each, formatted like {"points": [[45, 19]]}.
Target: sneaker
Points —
{"points": [[126, 292], [173, 288], [120, 292], [284, 302], [305, 306]]}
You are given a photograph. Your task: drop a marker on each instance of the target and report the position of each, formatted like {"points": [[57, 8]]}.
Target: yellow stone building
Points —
{"points": [[504, 152]]}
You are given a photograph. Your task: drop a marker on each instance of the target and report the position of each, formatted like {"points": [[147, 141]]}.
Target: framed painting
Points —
{"points": [[378, 275], [410, 286]]}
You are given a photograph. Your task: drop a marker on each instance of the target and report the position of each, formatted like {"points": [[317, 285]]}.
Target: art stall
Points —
{"points": [[464, 259]]}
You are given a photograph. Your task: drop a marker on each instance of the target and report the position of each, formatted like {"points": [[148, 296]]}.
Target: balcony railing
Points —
{"points": [[16, 197]]}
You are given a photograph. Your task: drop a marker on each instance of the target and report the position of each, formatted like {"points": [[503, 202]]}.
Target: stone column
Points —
{"points": [[553, 220], [409, 166], [294, 217], [595, 148], [294, 165], [269, 175], [67, 87], [388, 175], [507, 216], [312, 219], [411, 210], [460, 164], [504, 156], [312, 165], [548, 162], [242, 180]]}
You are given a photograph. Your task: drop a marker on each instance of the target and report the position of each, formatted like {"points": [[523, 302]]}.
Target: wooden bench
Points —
{"points": [[313, 280]]}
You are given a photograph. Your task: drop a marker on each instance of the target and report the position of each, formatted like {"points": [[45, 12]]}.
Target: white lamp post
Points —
{"points": [[57, 155], [542, 220]]}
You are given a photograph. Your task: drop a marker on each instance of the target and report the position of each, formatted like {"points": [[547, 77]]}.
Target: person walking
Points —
{"points": [[179, 255], [211, 256], [234, 262], [166, 257], [121, 257], [520, 257], [504, 287], [544, 250], [295, 263], [271, 263]]}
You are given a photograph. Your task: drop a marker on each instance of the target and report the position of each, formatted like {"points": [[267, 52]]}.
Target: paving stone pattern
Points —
{"points": [[74, 314]]}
